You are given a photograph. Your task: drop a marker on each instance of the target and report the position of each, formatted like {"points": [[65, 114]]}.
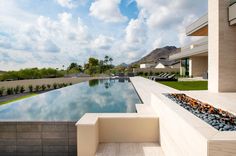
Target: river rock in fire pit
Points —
{"points": [[218, 118]]}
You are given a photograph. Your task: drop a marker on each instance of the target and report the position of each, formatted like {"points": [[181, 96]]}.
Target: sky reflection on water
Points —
{"points": [[71, 103]]}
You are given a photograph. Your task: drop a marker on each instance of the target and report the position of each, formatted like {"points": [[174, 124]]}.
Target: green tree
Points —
{"points": [[93, 62], [72, 65], [92, 67], [74, 68]]}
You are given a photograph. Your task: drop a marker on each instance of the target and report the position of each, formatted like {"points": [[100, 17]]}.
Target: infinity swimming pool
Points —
{"points": [[71, 103]]}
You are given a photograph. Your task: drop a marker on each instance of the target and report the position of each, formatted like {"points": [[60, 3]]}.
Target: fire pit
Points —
{"points": [[218, 118]]}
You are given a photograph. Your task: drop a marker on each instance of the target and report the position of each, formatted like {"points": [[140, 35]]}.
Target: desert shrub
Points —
{"points": [[16, 89], [55, 85], [140, 73], [43, 87], [70, 84], [22, 89], [37, 88], [151, 73], [146, 74], [48, 86], [2, 89], [157, 73], [65, 84], [10, 91], [60, 85], [30, 88]]}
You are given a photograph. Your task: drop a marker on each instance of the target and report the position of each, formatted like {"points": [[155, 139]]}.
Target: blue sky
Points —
{"points": [[52, 33]]}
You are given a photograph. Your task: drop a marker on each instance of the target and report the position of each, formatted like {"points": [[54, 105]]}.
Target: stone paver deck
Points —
{"points": [[225, 101], [129, 149]]}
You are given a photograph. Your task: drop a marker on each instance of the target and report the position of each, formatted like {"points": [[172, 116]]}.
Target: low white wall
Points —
{"points": [[128, 129], [184, 134], [112, 128]]}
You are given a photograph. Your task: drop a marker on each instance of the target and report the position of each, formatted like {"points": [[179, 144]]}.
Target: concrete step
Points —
{"points": [[129, 149]]}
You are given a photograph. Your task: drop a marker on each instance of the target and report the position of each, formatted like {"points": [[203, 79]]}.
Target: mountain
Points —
{"points": [[159, 55], [123, 65]]}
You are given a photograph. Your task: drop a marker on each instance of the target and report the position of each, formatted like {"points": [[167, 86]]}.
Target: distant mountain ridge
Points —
{"points": [[159, 55]]}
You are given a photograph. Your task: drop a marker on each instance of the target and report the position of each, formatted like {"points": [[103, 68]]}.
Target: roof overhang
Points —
{"points": [[232, 13], [199, 27], [198, 48]]}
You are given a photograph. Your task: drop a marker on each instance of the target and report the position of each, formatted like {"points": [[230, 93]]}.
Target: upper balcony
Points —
{"points": [[199, 27], [198, 48], [232, 12]]}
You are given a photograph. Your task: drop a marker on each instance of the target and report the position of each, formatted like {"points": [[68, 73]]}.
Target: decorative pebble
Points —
{"points": [[219, 119]]}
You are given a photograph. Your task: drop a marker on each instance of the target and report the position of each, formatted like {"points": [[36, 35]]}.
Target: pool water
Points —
{"points": [[71, 103]]}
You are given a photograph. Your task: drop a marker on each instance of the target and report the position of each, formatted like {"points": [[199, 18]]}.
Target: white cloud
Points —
{"points": [[157, 43], [66, 3], [136, 32], [65, 37], [102, 42], [48, 40], [107, 10], [167, 20], [134, 43], [12, 16]]}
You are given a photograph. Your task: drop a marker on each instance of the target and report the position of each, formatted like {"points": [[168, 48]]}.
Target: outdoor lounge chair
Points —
{"points": [[152, 77], [167, 78], [162, 76]]}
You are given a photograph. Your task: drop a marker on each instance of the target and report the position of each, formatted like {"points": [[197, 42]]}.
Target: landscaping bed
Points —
{"points": [[13, 98], [218, 118]]}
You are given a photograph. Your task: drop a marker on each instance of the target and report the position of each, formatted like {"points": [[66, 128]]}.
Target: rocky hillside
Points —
{"points": [[159, 55]]}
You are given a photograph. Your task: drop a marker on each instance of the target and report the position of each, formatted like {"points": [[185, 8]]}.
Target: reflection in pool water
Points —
{"points": [[71, 103]]}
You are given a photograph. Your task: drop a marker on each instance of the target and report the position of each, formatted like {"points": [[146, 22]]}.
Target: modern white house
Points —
{"points": [[160, 66], [213, 55], [147, 65]]}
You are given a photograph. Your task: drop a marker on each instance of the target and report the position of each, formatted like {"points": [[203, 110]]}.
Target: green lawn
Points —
{"points": [[187, 85], [19, 98]]}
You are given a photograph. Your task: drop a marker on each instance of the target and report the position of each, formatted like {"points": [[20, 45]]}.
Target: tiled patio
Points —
{"points": [[129, 149]]}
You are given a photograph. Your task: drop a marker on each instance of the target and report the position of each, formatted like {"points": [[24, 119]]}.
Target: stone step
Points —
{"points": [[129, 149]]}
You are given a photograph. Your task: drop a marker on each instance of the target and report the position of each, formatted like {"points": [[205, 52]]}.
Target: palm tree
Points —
{"points": [[110, 60], [106, 59]]}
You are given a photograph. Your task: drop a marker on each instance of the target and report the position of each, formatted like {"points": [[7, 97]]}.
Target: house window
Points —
{"points": [[185, 65]]}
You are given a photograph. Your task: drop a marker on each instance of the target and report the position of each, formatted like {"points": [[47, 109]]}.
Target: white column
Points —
{"points": [[190, 67], [222, 48]]}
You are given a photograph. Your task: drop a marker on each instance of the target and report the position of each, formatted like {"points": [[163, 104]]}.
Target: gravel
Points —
{"points": [[221, 121]]}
